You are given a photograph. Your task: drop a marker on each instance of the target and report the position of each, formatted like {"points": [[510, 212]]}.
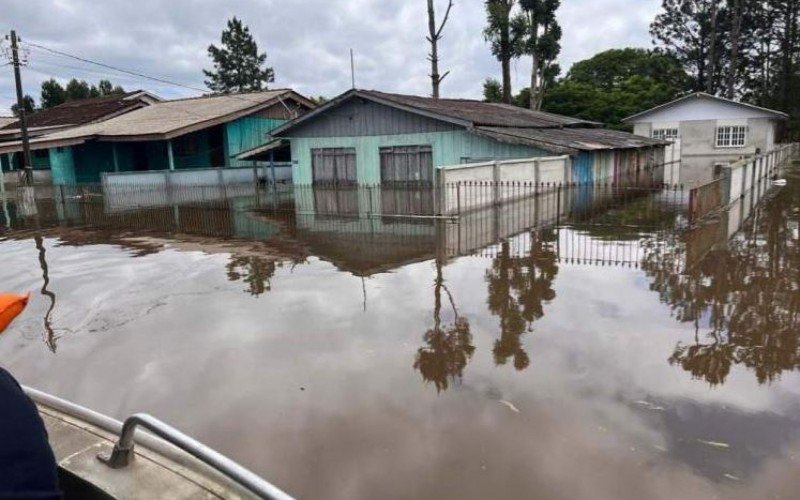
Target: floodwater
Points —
{"points": [[611, 353]]}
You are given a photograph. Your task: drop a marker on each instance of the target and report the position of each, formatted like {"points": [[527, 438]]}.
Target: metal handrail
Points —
{"points": [[124, 448]]}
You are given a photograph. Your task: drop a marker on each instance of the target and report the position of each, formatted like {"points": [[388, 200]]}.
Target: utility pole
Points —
{"points": [[352, 69], [26, 147]]}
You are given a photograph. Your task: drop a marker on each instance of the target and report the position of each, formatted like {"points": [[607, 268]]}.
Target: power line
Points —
{"points": [[37, 66], [292, 112], [114, 68]]}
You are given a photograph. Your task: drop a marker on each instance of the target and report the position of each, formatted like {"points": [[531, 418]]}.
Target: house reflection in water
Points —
{"points": [[746, 291]]}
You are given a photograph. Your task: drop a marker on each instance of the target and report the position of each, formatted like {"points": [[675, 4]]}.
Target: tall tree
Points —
{"points": [[52, 94], [499, 34], [690, 31], [238, 65], [737, 12], [434, 35], [540, 34], [789, 43]]}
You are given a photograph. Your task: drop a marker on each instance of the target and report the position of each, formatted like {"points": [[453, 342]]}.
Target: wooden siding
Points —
{"points": [[358, 117], [449, 148], [247, 133]]}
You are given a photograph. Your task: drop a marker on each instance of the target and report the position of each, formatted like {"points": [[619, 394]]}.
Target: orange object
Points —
{"points": [[11, 304]]}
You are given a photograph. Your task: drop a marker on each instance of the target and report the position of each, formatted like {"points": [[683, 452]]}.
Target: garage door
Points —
{"points": [[334, 165], [404, 164]]}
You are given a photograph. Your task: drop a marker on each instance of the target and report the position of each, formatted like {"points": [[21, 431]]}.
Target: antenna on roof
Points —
{"points": [[352, 69]]}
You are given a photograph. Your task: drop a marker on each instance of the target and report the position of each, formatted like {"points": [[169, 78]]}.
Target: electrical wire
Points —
{"points": [[113, 68], [292, 112], [38, 47]]}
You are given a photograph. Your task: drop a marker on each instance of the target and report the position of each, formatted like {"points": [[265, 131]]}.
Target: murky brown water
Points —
{"points": [[605, 356]]}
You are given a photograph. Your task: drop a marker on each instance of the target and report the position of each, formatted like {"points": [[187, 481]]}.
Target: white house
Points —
{"points": [[707, 130]]}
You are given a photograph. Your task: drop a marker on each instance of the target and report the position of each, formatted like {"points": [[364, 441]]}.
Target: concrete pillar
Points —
{"points": [[170, 155]]}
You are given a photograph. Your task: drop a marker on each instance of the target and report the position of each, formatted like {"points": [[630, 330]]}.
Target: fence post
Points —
{"points": [[496, 182], [458, 199]]}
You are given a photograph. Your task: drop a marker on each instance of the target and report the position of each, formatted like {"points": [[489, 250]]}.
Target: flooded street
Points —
{"points": [[609, 353]]}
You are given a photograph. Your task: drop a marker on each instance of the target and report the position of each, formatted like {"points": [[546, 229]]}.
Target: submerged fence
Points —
{"points": [[739, 179]]}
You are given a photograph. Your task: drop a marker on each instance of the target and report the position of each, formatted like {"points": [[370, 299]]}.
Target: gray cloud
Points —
{"points": [[307, 41]]}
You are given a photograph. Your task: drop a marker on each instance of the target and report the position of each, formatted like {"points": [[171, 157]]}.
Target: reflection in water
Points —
{"points": [[449, 346], [518, 287], [361, 410], [745, 294], [51, 336], [252, 270]]}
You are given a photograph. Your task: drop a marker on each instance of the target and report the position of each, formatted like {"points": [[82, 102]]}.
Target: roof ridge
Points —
{"points": [[232, 95]]}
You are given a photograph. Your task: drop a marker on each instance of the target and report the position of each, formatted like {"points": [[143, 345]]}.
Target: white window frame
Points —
{"points": [[666, 133], [731, 136]]}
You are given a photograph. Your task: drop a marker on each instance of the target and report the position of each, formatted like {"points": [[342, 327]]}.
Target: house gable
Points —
{"points": [[699, 107], [358, 117]]}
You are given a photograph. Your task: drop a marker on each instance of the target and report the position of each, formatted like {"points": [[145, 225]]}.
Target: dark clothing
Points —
{"points": [[27, 465]]}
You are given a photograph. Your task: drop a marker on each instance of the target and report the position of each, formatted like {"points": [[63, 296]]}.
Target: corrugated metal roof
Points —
{"points": [[482, 113], [167, 119], [81, 111], [569, 140], [463, 112]]}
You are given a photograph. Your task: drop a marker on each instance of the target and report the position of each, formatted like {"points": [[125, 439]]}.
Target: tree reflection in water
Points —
{"points": [[254, 271], [518, 289], [449, 346], [747, 294]]}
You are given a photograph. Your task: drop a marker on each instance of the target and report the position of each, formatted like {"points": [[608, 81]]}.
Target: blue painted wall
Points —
{"points": [[62, 165], [84, 163], [247, 133], [583, 168]]}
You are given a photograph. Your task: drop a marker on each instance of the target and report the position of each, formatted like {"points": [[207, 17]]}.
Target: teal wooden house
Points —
{"points": [[200, 132], [369, 137]]}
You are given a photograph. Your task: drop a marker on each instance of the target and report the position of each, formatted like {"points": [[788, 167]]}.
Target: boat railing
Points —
{"points": [[123, 451]]}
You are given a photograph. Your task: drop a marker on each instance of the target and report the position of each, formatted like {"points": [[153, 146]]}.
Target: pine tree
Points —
{"points": [[238, 66]]}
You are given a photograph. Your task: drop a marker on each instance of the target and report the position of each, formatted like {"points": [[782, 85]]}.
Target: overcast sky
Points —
{"points": [[307, 41]]}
